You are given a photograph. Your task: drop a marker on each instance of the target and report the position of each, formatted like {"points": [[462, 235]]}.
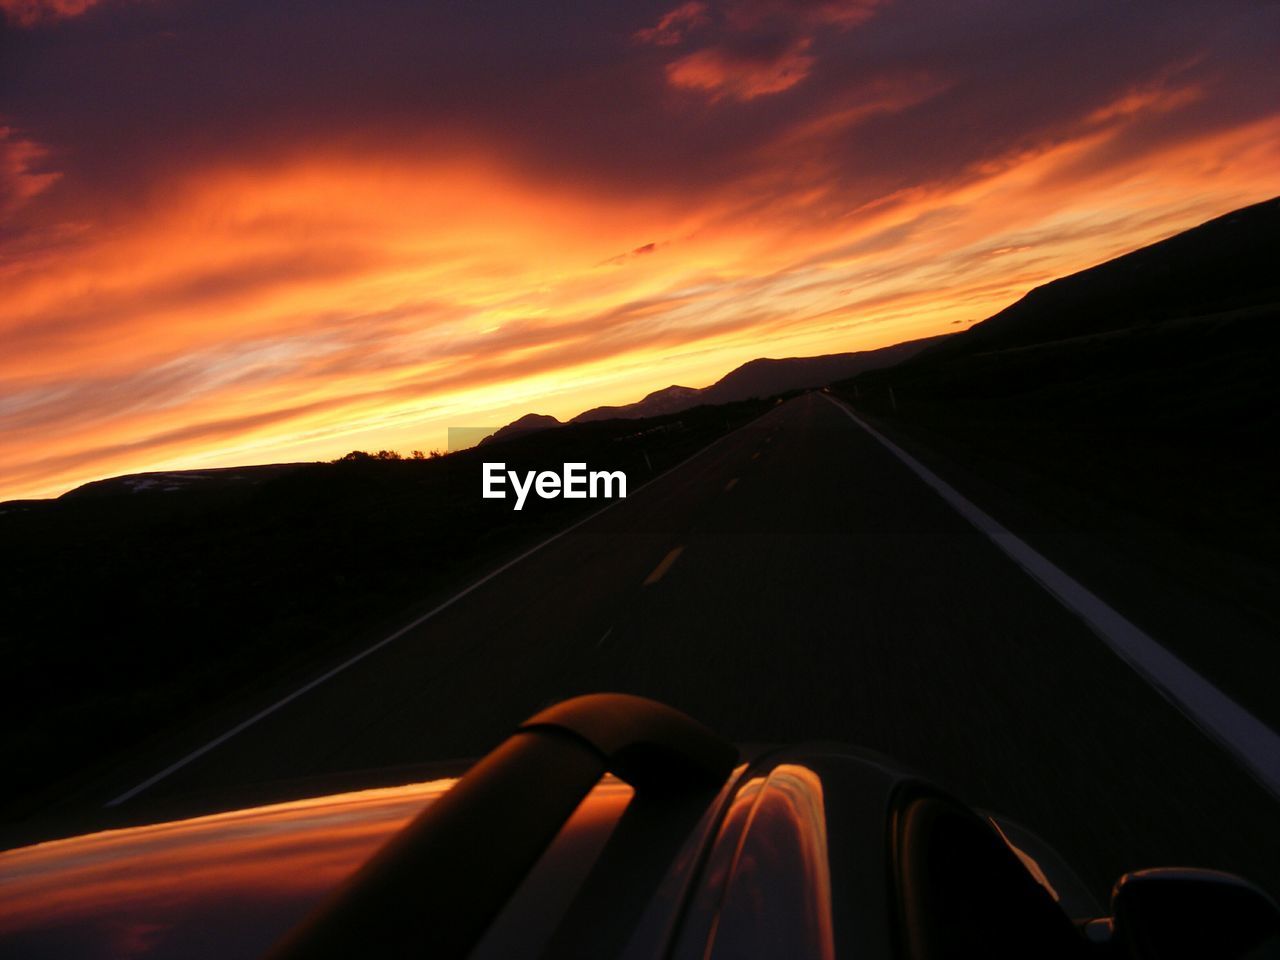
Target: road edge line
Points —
{"points": [[374, 648], [1250, 741]]}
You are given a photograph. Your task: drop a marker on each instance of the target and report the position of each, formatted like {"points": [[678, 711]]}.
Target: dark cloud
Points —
{"points": [[128, 95]]}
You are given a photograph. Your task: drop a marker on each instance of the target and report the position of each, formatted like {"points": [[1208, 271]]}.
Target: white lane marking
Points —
{"points": [[603, 638], [1235, 729], [731, 484], [663, 566], [305, 688]]}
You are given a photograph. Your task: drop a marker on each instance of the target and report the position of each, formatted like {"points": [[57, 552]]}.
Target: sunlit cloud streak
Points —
{"points": [[237, 232]]}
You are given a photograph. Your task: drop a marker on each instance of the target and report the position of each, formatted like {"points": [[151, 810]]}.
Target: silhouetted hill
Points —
{"points": [[254, 572], [174, 481], [1136, 401], [765, 377], [529, 423], [1224, 264], [670, 399]]}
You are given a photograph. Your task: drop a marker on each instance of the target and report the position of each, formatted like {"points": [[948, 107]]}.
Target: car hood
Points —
{"points": [[801, 830], [223, 885]]}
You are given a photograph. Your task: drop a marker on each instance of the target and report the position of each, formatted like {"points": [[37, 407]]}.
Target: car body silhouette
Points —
{"points": [[613, 826]]}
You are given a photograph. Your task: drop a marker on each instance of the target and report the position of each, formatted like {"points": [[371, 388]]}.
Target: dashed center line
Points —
{"points": [[731, 484], [661, 569]]}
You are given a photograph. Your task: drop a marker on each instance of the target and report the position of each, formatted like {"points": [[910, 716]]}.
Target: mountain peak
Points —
{"points": [[529, 423], [762, 377]]}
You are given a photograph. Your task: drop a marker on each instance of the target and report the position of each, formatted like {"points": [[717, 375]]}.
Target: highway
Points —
{"points": [[795, 581]]}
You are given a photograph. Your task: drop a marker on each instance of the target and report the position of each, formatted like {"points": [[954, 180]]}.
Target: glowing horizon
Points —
{"points": [[206, 266]]}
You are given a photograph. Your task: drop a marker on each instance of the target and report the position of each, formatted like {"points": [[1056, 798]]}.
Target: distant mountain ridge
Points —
{"points": [[1224, 264], [670, 399], [763, 377], [766, 376]]}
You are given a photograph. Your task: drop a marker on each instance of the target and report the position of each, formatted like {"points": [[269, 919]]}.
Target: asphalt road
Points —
{"points": [[793, 582]]}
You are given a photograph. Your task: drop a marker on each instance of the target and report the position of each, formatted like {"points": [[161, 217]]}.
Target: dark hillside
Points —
{"points": [[1228, 263], [1133, 408], [140, 610]]}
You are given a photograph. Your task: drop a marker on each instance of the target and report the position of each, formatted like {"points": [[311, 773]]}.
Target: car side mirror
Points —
{"points": [[1185, 914]]}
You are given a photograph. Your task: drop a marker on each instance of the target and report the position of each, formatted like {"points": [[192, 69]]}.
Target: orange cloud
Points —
{"points": [[21, 176], [723, 73], [365, 267], [761, 47], [29, 13], [674, 24], [219, 339]]}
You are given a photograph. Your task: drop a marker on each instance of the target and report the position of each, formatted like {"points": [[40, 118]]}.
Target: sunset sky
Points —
{"points": [[239, 231]]}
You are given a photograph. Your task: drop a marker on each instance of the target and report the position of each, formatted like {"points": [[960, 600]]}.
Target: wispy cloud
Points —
{"points": [[228, 237]]}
